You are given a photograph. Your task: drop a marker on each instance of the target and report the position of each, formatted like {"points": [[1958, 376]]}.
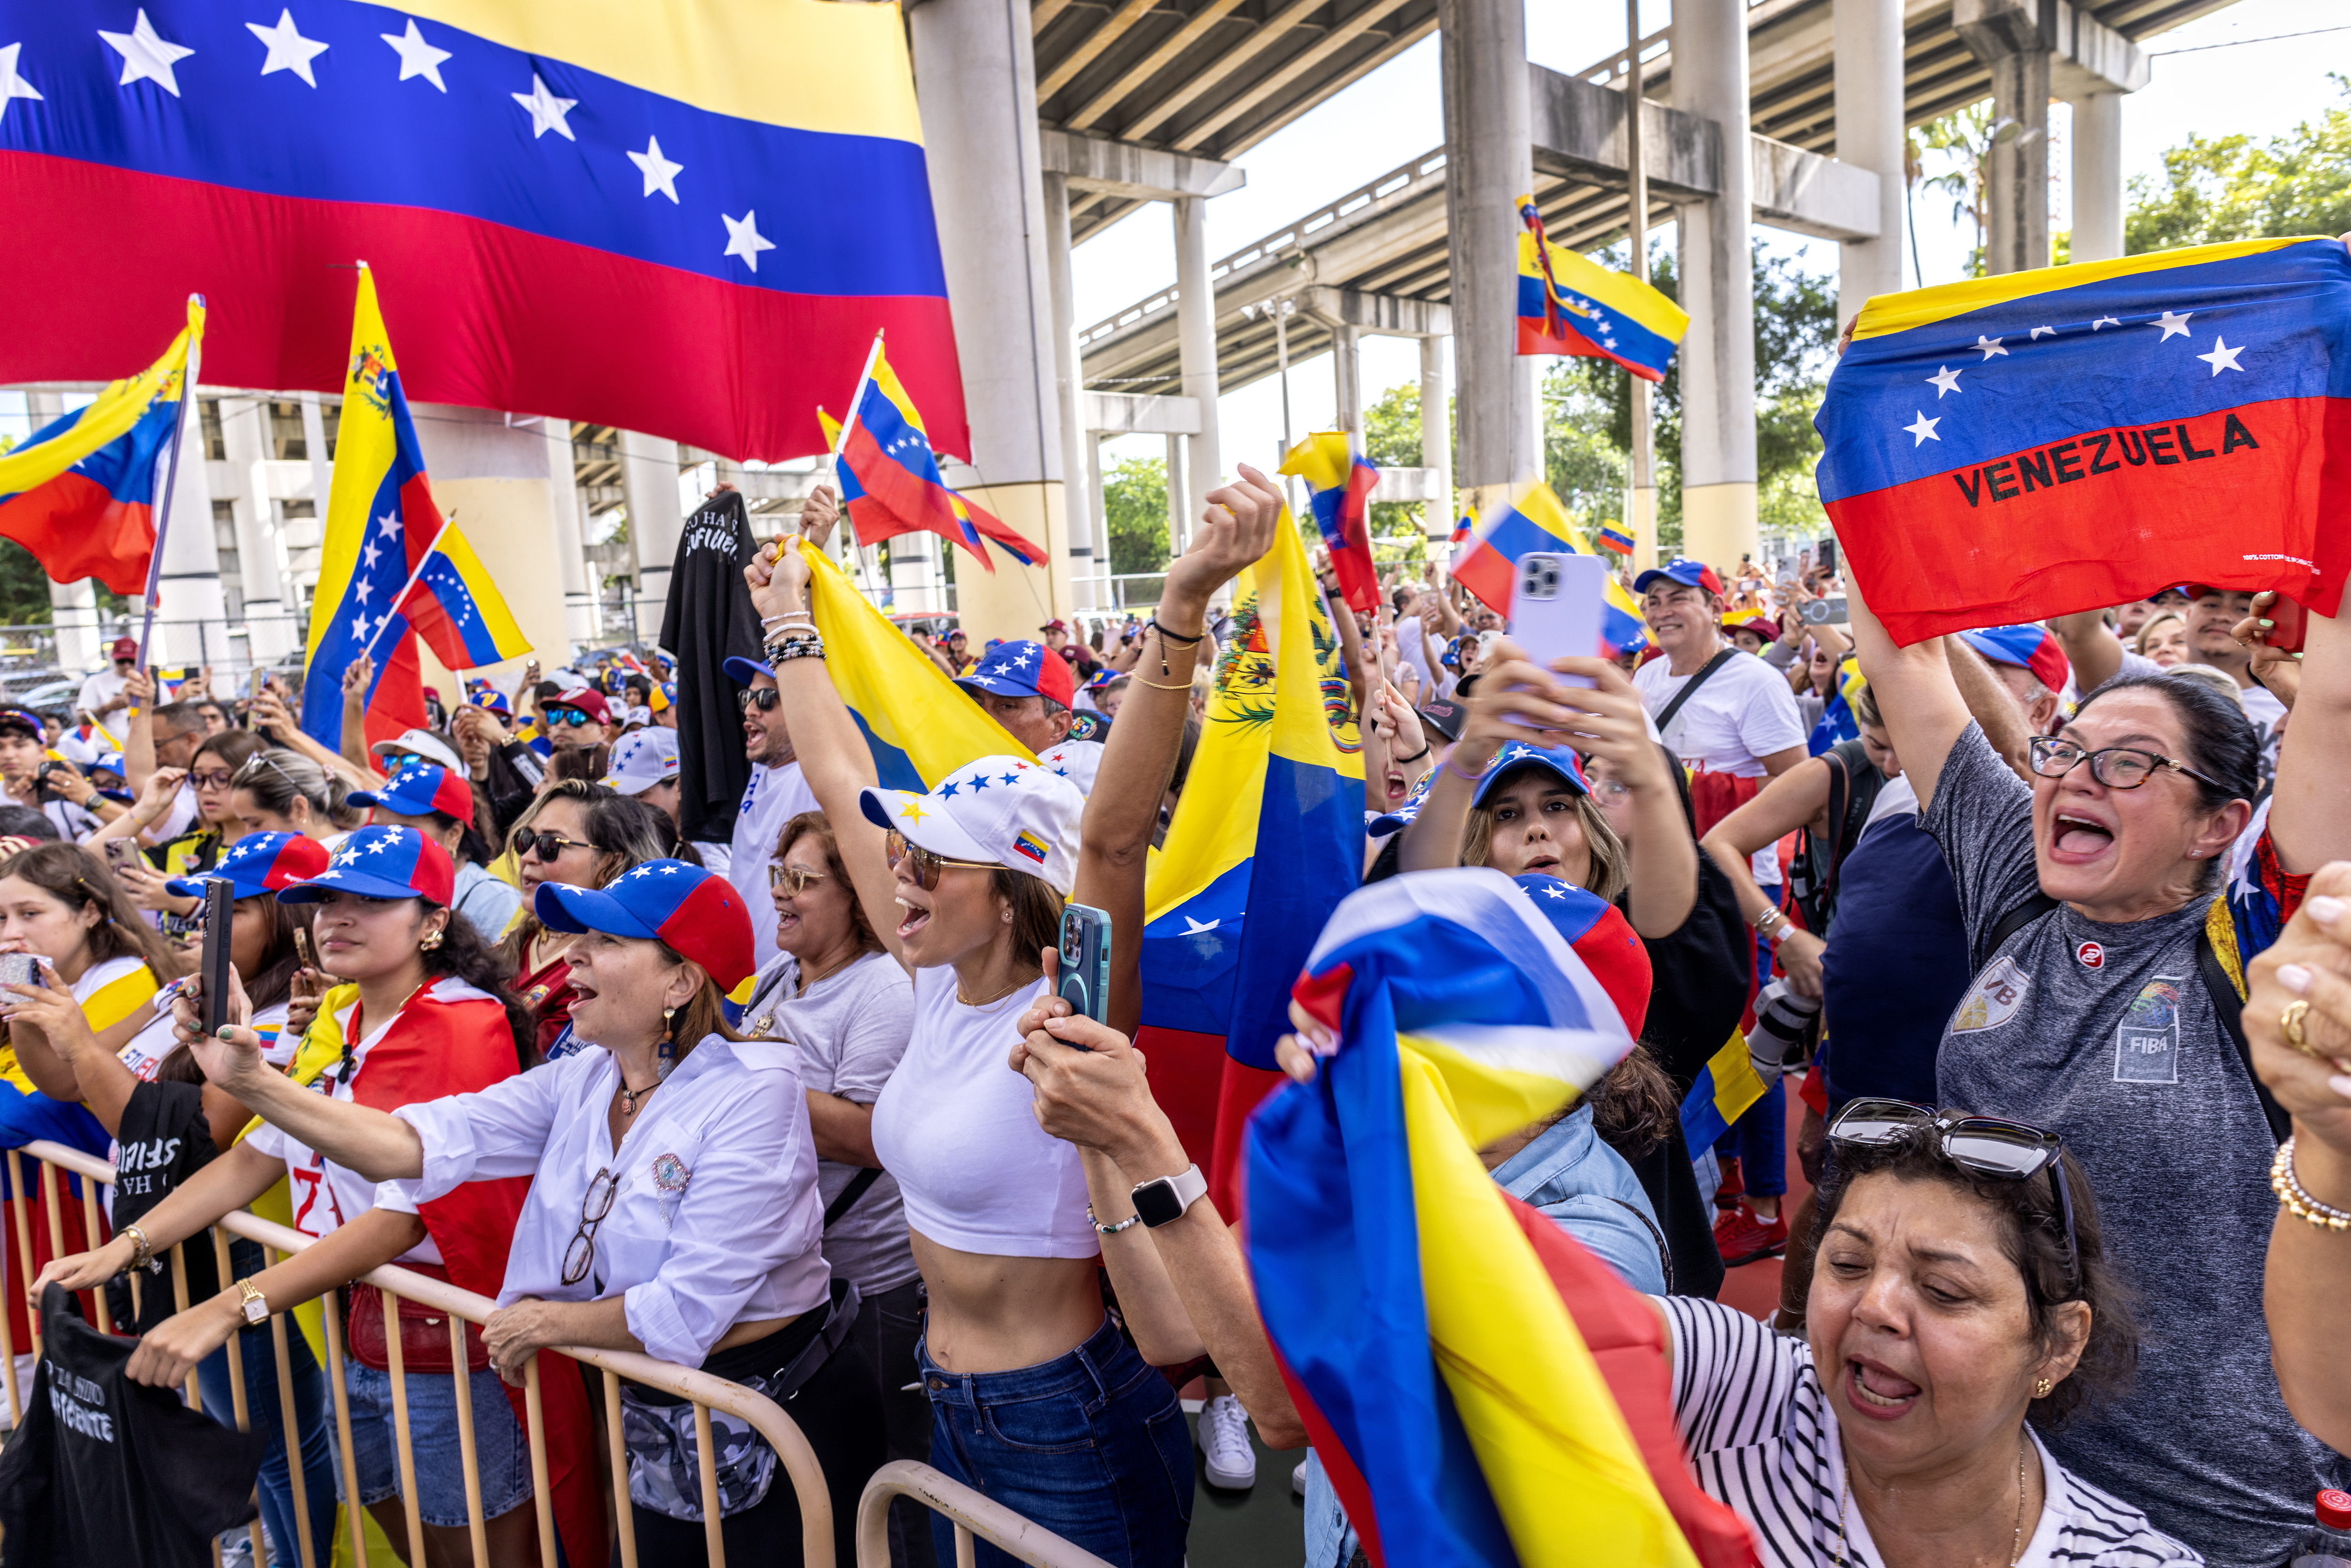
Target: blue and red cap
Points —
{"points": [[258, 864], [2028, 647], [698, 915], [380, 863], [742, 671], [420, 791], [24, 718], [1022, 669], [1561, 763], [1603, 938], [1682, 570]]}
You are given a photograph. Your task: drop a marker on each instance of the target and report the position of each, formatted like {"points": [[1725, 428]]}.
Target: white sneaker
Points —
{"points": [[1225, 1443]]}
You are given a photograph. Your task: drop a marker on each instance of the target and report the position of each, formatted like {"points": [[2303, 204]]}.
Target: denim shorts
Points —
{"points": [[501, 1452], [1092, 1446]]}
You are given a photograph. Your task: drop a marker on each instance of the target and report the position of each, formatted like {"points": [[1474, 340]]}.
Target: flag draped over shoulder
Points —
{"points": [[81, 493], [1570, 304], [890, 479], [1341, 480], [1480, 1389], [1269, 836], [2010, 448], [920, 725], [380, 520], [1535, 521]]}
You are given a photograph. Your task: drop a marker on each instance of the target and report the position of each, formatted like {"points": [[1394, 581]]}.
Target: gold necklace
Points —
{"points": [[991, 1002], [2016, 1538]]}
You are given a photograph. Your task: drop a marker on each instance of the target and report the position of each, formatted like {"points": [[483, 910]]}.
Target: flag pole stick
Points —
{"points": [[401, 597], [840, 444], [170, 485]]}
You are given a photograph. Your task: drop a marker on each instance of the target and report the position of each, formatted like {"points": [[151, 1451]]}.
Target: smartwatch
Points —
{"points": [[1163, 1202]]}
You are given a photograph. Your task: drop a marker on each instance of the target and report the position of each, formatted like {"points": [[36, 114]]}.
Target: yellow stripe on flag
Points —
{"points": [[1736, 1086], [1889, 313]]}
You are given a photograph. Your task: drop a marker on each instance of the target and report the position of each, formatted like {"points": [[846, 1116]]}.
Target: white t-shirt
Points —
{"points": [[177, 821], [956, 1127], [101, 689], [1762, 1437], [1743, 714], [774, 796]]}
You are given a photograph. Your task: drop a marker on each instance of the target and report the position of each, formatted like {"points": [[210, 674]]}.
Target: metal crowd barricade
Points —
{"points": [[973, 1513]]}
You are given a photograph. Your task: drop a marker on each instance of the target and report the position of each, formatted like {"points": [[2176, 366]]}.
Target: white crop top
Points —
{"points": [[955, 1125]]}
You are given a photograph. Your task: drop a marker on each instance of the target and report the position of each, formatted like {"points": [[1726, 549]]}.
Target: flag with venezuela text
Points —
{"points": [[2015, 447]]}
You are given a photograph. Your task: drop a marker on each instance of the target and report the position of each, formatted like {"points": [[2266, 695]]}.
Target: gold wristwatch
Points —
{"points": [[256, 1306]]}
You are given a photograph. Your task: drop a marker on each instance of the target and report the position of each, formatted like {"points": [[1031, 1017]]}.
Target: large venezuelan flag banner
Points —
{"points": [[1482, 1391], [682, 216], [2020, 446], [1268, 837]]}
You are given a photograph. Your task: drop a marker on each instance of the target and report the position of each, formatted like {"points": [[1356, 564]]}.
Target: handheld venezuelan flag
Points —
{"points": [[2016, 448], [381, 520], [919, 724], [890, 476], [456, 608], [81, 493], [1482, 1392], [1570, 304], [1725, 1087], [1462, 526], [1269, 836], [1838, 721], [1535, 521], [1341, 480], [632, 160], [1613, 539]]}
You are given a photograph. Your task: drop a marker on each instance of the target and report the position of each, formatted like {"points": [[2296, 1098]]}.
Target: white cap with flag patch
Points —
{"points": [[998, 810]]}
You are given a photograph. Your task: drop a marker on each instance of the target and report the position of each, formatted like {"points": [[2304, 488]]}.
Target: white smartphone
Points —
{"points": [[1556, 601]]}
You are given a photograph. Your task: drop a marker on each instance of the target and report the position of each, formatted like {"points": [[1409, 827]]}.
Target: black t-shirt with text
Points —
{"points": [[164, 1140]]}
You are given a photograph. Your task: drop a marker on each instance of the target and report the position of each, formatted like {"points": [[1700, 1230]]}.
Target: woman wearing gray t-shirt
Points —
{"points": [[845, 1008]]}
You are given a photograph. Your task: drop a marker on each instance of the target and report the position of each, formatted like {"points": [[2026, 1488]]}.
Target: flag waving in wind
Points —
{"points": [[1535, 521], [890, 476], [1341, 479], [81, 493], [1570, 304]]}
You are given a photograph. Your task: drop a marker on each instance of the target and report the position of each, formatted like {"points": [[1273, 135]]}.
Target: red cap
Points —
{"points": [[125, 648], [2335, 1508], [587, 699]]}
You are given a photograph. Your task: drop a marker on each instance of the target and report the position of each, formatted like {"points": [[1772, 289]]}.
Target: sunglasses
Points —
{"points": [[764, 699], [594, 1204], [545, 844], [1988, 1146], [796, 880], [571, 715], [926, 865]]}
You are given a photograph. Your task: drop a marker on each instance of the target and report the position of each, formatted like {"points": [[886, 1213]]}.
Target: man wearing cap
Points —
{"points": [[102, 693], [21, 756], [575, 718], [1028, 691], [1740, 717], [2031, 664], [644, 764], [776, 794]]}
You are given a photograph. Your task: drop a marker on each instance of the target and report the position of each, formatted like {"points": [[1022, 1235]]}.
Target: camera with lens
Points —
{"points": [[46, 771]]}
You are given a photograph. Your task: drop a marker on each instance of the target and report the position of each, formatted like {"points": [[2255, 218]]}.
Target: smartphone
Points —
{"points": [[220, 904], [17, 969], [2293, 624], [1086, 960], [1556, 601], [120, 853]]}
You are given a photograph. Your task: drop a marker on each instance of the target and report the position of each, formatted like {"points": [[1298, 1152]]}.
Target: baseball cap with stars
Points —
{"points": [[698, 916], [996, 810], [1022, 669], [380, 863], [258, 864]]}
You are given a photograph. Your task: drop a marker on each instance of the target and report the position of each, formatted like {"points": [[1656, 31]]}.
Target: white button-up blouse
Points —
{"points": [[716, 1220]]}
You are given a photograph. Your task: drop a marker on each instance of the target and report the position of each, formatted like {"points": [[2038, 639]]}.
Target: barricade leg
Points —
{"points": [[89, 1228], [707, 1452], [476, 1527], [354, 1514], [542, 1491], [289, 1419], [624, 1516], [238, 1405], [401, 1442]]}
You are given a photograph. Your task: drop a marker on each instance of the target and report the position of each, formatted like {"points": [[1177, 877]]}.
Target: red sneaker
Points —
{"points": [[1742, 1237], [1734, 1182]]}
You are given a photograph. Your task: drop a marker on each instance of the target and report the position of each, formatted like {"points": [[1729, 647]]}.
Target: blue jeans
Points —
{"points": [[501, 1452], [1760, 1139], [258, 1358], [1092, 1446]]}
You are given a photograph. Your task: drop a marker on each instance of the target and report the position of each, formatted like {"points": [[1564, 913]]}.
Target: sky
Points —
{"points": [[1394, 115]]}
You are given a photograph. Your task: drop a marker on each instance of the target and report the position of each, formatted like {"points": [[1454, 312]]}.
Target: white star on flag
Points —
{"points": [[659, 173], [1194, 928], [388, 523], [371, 552], [360, 629], [1923, 431], [2106, 322], [145, 55], [1944, 380], [12, 85], [744, 239], [1990, 346], [2037, 331], [289, 49], [547, 110], [2222, 357], [2173, 324], [362, 589], [417, 57]]}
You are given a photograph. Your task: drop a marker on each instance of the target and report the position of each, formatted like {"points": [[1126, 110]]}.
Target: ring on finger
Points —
{"points": [[2289, 1023]]}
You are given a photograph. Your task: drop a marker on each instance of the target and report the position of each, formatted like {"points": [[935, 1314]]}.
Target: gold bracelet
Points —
{"points": [[1161, 685], [2297, 1201], [141, 1250]]}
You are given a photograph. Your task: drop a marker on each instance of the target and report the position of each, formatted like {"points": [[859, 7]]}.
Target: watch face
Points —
{"points": [[1156, 1202], [256, 1311]]}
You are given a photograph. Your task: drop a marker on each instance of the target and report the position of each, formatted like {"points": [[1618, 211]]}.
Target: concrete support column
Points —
{"points": [[1179, 527], [1098, 508], [1068, 380], [979, 78], [2097, 178], [1196, 344], [1490, 164], [1869, 135], [1436, 439], [269, 631], [192, 614], [1347, 378], [497, 480], [571, 543], [1718, 291], [2008, 36], [649, 478]]}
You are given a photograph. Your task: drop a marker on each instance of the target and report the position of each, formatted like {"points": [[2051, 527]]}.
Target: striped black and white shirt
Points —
{"points": [[1762, 1439]]}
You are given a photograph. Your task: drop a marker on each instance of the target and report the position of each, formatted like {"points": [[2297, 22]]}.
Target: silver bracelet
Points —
{"points": [[1129, 1223]]}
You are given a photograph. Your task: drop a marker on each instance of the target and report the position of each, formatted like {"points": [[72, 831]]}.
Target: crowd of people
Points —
{"points": [[2025, 917]]}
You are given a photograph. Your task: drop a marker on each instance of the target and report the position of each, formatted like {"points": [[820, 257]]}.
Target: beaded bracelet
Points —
{"points": [[1162, 686], [2292, 1197], [1129, 1223]]}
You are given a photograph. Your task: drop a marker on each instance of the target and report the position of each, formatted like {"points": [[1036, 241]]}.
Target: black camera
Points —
{"points": [[46, 771]]}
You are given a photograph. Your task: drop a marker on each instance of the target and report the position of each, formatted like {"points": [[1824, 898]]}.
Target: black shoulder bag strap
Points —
{"points": [[2014, 921], [856, 1189], [1721, 658], [2231, 1008]]}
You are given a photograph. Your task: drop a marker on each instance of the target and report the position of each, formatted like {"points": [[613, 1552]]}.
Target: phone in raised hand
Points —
{"points": [[1084, 981], [1556, 601], [219, 913]]}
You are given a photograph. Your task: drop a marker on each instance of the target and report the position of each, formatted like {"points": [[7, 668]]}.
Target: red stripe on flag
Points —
{"points": [[1239, 1092], [398, 705], [484, 314], [2243, 499], [75, 528], [915, 504], [1187, 1079], [421, 525], [1535, 339], [1486, 572]]}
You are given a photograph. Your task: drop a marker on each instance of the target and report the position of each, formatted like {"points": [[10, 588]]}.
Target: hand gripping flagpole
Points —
{"points": [[391, 612], [841, 445], [170, 482]]}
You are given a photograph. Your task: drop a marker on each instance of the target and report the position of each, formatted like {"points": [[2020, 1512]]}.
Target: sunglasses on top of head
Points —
{"points": [[1991, 1147]]}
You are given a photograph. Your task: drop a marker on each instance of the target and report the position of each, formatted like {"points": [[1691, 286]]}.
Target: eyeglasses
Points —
{"points": [[2115, 767], [545, 844], [926, 864], [1988, 1146], [571, 715], [764, 699], [217, 780], [781, 876], [594, 1204]]}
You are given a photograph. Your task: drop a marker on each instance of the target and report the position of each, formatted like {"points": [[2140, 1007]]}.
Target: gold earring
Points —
{"points": [[2041, 1389], [430, 941]]}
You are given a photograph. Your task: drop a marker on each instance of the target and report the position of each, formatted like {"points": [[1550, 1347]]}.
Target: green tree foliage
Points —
{"points": [[1967, 137], [24, 587], [1134, 497], [2231, 187]]}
